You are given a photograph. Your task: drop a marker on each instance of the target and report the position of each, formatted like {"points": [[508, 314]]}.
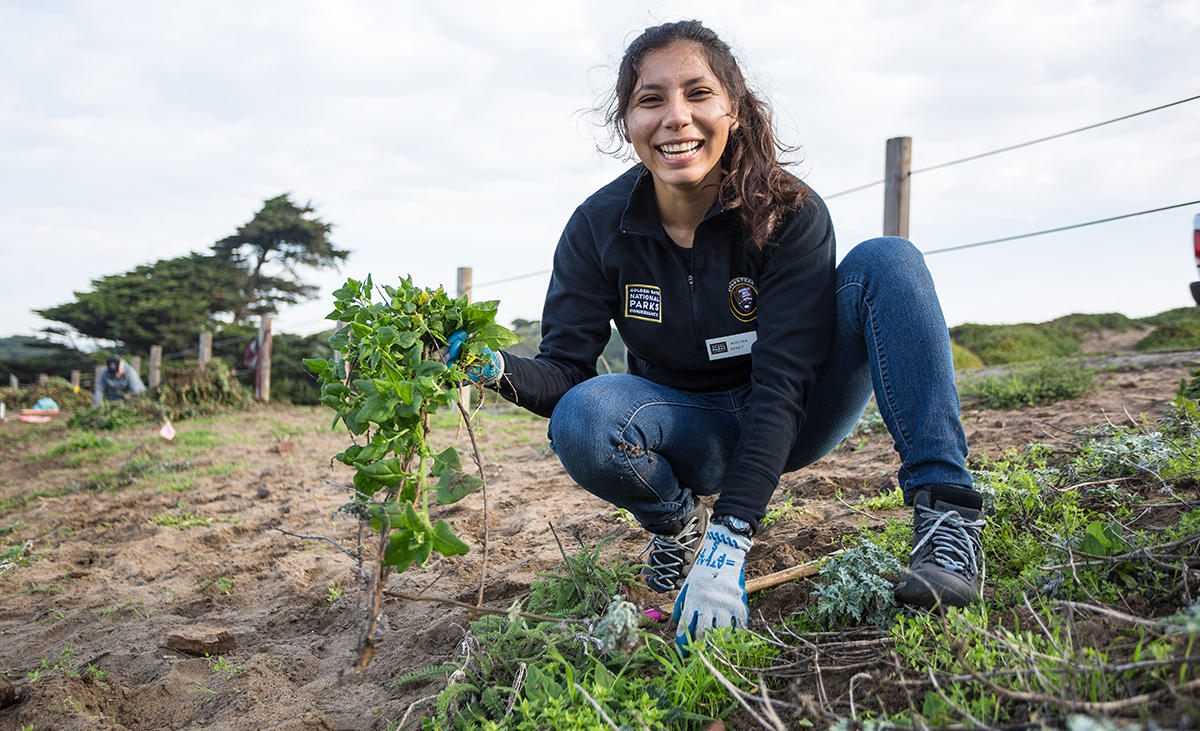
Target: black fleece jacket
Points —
{"points": [[688, 321]]}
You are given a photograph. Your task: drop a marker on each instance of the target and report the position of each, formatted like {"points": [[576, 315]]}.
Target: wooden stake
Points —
{"points": [[135, 362], [766, 582], [12, 381], [75, 377], [42, 378], [155, 366], [262, 381], [895, 193], [205, 348], [464, 282]]}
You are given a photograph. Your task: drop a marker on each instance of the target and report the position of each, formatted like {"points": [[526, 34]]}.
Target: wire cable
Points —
{"points": [[227, 341], [848, 191], [512, 279], [1009, 148], [1055, 230], [999, 150]]}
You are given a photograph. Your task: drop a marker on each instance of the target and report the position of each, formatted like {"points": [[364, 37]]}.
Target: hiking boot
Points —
{"points": [[946, 565], [673, 550]]}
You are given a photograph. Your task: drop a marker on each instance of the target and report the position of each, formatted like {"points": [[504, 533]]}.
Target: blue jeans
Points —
{"points": [[649, 448]]}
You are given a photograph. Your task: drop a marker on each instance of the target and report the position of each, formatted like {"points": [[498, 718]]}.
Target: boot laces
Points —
{"points": [[954, 541], [668, 559]]}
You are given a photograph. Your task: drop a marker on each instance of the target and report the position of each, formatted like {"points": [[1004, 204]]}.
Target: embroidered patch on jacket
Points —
{"points": [[743, 299], [643, 302]]}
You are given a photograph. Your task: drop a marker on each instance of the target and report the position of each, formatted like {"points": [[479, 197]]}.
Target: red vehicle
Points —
{"points": [[1196, 251]]}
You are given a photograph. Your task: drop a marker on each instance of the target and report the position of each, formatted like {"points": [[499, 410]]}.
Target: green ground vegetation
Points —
{"points": [[1090, 616], [188, 391], [1043, 382], [1003, 344]]}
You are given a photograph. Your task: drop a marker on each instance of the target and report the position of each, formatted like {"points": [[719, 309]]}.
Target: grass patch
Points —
{"points": [[1041, 383], [30, 497], [183, 484], [137, 467], [217, 470], [200, 439], [1026, 342], [181, 519], [82, 447], [964, 358], [1171, 335], [1001, 344]]}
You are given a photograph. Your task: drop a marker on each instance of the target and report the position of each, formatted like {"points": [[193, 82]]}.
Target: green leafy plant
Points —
{"points": [[856, 587], [219, 665], [779, 513], [386, 386], [1118, 451], [386, 379], [890, 500]]}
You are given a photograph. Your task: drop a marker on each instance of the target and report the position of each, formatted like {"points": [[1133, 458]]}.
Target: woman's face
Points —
{"points": [[679, 118]]}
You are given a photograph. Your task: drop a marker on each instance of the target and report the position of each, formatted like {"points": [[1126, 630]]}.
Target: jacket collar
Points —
{"points": [[640, 216]]}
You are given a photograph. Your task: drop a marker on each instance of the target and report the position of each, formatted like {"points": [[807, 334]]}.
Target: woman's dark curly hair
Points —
{"points": [[754, 183]]}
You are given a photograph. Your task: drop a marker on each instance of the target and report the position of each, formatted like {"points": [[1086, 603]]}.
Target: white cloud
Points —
{"points": [[440, 136]]}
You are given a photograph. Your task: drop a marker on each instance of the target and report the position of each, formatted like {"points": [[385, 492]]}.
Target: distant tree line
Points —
{"points": [[252, 272]]}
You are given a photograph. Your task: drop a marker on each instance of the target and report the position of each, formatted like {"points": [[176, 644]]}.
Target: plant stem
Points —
{"points": [[366, 643], [479, 464]]}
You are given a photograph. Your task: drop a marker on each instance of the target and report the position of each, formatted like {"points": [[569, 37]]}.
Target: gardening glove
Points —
{"points": [[714, 593], [485, 373]]}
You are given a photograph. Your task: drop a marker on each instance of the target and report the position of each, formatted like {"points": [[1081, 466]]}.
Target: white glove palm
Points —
{"points": [[714, 594]]}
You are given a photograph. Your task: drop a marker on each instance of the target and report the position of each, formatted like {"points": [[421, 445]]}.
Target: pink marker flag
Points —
{"points": [[167, 432]]}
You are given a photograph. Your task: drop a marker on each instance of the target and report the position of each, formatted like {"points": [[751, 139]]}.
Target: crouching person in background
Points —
{"points": [[116, 382]]}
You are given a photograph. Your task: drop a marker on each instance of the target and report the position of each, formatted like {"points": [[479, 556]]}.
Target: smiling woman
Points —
{"points": [[711, 94], [749, 352], [679, 122]]}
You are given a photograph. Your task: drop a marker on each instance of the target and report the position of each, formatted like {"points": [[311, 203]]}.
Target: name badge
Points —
{"points": [[731, 345]]}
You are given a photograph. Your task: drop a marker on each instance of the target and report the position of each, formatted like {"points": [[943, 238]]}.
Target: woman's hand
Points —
{"points": [[714, 594], [486, 372]]}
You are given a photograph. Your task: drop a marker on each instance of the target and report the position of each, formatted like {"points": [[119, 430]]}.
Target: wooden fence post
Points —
{"points": [[75, 380], [155, 366], [464, 282], [96, 376], [12, 381], [896, 183], [42, 378], [337, 354], [205, 348], [262, 381], [135, 362]]}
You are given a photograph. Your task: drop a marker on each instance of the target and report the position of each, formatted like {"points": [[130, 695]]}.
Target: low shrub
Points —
{"points": [[59, 389], [1172, 335], [187, 391], [964, 358], [1023, 342], [1042, 383]]}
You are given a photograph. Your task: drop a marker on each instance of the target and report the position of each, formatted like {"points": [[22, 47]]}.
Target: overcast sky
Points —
{"points": [[440, 135]]}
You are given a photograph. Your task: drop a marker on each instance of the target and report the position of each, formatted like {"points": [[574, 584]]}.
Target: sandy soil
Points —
{"points": [[106, 584]]}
